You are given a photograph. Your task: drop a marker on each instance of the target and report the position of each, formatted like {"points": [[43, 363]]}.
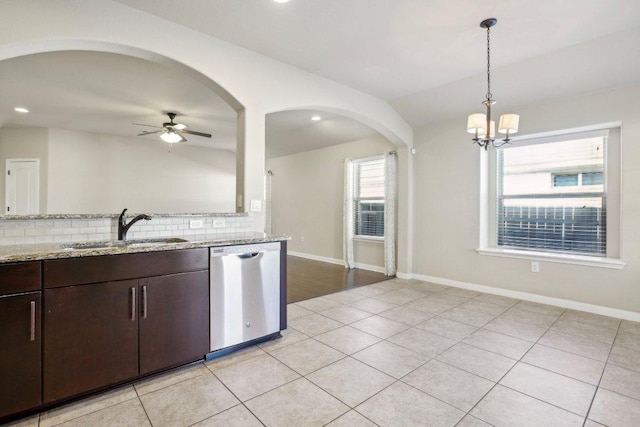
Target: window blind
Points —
{"points": [[369, 197], [551, 196]]}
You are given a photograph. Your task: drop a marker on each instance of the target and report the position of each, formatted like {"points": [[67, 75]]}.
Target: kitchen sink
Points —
{"points": [[121, 243]]}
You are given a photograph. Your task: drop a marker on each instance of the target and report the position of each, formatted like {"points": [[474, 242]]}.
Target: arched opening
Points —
{"points": [[83, 100], [305, 154]]}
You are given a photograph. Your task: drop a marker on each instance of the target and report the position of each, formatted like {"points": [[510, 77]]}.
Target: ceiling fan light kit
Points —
{"points": [[172, 132], [171, 137], [480, 124]]}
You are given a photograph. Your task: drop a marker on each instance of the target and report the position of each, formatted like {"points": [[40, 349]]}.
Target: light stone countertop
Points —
{"points": [[42, 251], [116, 215]]}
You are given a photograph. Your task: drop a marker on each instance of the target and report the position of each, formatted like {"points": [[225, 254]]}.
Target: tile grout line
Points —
{"points": [[533, 397], [410, 326], [237, 398], [88, 398], [601, 376], [505, 374], [142, 404]]}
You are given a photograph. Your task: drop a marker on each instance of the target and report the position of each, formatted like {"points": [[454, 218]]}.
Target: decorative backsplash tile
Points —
{"points": [[61, 230]]}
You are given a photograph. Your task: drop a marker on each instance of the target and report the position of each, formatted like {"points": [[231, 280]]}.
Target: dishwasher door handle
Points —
{"points": [[248, 255]]}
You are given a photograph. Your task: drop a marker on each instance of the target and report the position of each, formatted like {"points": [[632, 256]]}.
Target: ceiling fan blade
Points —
{"points": [[149, 126], [179, 126], [149, 132], [191, 132]]}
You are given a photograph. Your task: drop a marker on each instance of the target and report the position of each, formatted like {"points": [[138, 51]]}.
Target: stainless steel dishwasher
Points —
{"points": [[245, 293]]}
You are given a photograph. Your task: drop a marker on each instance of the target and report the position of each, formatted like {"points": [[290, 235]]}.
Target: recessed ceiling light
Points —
{"points": [[21, 110], [316, 118], [280, 1]]}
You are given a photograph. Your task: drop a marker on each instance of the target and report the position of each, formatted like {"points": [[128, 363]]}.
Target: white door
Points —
{"points": [[23, 187]]}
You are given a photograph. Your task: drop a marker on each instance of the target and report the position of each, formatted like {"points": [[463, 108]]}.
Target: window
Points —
{"points": [[369, 197], [585, 178], [565, 180], [567, 216], [592, 178]]}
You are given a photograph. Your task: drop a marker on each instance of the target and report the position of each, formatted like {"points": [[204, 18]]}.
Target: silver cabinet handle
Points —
{"points": [[144, 302], [33, 321], [133, 303]]}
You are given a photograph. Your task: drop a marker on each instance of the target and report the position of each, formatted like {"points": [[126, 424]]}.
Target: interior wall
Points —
{"points": [[25, 143], [94, 173], [109, 26], [447, 199], [307, 199]]}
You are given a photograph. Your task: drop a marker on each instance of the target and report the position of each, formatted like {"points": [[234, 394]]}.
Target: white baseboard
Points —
{"points": [[565, 303], [590, 308], [369, 267]]}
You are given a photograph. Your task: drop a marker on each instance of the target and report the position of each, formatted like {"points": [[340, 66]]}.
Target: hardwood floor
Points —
{"points": [[309, 279]]}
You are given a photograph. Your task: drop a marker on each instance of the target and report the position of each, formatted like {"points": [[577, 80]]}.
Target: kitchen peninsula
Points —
{"points": [[86, 316]]}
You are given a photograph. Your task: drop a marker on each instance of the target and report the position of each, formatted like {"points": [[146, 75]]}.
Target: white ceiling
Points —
{"points": [[426, 57], [105, 93], [402, 49], [291, 132]]}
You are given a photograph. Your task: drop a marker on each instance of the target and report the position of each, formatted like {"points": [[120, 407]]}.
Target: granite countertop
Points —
{"points": [[42, 251], [116, 215]]}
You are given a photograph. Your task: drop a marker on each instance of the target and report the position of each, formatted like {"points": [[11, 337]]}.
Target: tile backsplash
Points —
{"points": [[61, 230]]}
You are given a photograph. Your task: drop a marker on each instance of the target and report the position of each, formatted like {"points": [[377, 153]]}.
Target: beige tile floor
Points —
{"points": [[398, 353]]}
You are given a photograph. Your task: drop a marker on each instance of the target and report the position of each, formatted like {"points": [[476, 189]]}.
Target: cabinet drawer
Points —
{"points": [[20, 277], [95, 269]]}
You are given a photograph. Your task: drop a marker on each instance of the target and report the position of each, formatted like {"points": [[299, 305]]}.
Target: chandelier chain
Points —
{"points": [[489, 94]]}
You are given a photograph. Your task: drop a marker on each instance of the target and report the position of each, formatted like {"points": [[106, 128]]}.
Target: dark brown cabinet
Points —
{"points": [[174, 320], [20, 347], [104, 333], [91, 338]]}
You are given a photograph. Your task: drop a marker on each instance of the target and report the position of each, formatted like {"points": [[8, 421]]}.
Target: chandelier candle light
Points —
{"points": [[480, 124]]}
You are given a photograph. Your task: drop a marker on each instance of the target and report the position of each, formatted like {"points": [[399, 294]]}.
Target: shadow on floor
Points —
{"points": [[309, 279]]}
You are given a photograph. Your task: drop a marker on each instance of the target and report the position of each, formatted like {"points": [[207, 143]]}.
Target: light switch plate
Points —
{"points": [[256, 206], [196, 223]]}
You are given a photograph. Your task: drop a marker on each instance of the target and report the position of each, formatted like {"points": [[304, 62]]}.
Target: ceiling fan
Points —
{"points": [[170, 131]]}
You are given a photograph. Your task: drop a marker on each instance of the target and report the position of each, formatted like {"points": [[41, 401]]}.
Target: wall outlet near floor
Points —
{"points": [[196, 223], [535, 267], [218, 222]]}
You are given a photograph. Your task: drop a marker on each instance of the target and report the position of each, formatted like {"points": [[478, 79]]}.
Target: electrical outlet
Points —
{"points": [[302, 238], [256, 206], [196, 223], [218, 222], [535, 267]]}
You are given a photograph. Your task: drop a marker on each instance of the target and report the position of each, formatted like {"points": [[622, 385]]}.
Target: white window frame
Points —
{"points": [[488, 196], [363, 237]]}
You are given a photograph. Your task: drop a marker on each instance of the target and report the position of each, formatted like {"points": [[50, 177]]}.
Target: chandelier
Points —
{"points": [[480, 124]]}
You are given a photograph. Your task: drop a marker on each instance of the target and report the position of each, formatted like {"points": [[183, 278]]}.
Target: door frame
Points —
{"points": [[6, 187]]}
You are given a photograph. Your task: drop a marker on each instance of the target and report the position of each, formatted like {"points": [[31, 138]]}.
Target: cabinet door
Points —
{"points": [[91, 338], [174, 320], [20, 343]]}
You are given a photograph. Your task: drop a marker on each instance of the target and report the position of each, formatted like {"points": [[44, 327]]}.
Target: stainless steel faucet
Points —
{"points": [[123, 227]]}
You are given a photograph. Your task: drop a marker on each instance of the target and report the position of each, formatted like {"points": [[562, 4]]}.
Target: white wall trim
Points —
{"points": [[575, 305], [359, 265]]}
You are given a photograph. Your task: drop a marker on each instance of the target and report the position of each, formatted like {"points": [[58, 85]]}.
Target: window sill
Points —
{"points": [[612, 263], [374, 239]]}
